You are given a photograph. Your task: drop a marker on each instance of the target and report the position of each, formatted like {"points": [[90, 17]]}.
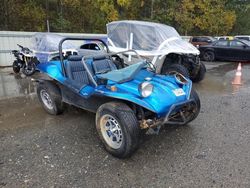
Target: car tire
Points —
{"points": [[195, 97], [209, 56], [201, 73], [15, 66], [175, 68], [50, 97], [123, 139]]}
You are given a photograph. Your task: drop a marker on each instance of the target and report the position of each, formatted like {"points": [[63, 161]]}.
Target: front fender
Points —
{"points": [[128, 97], [159, 102]]}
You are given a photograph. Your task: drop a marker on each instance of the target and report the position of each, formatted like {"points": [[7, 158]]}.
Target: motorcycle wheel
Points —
{"points": [[15, 66], [29, 70]]}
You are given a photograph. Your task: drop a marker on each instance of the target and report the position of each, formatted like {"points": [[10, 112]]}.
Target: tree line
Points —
{"points": [[189, 17]]}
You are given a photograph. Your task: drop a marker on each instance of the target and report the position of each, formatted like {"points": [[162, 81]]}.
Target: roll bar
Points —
{"points": [[75, 38], [91, 56], [114, 53]]}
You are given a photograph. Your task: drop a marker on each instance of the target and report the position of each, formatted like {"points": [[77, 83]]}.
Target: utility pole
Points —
{"points": [[152, 9], [61, 15], [47, 15], [6, 14]]}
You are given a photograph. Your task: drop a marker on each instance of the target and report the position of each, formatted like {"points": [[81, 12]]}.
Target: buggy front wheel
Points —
{"points": [[118, 129], [196, 110]]}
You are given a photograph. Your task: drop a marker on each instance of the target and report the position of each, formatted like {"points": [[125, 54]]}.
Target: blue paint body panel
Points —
{"points": [[159, 102]]}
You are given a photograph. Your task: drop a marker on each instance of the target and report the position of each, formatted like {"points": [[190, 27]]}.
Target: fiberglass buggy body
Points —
{"points": [[125, 100], [161, 43]]}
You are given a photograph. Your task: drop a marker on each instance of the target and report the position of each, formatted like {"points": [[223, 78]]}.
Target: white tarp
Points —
{"points": [[147, 38], [46, 46], [48, 42]]}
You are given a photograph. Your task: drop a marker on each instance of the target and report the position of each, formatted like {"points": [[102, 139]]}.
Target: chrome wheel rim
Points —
{"points": [[111, 131], [46, 99]]}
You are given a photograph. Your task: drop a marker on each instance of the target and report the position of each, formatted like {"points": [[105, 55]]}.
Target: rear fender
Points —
{"points": [[52, 71]]}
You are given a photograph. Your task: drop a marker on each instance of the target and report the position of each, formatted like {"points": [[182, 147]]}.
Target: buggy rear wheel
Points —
{"points": [[118, 129], [50, 97]]}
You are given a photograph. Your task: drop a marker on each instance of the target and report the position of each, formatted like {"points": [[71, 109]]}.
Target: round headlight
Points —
{"points": [[146, 89]]}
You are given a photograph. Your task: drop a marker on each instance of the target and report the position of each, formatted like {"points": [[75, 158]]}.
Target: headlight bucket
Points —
{"points": [[180, 79], [145, 89]]}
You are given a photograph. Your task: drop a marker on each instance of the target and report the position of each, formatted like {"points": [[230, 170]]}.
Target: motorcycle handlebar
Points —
{"points": [[24, 49], [20, 46]]}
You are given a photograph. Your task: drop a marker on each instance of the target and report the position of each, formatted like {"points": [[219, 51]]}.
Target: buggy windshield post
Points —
{"points": [[75, 38]]}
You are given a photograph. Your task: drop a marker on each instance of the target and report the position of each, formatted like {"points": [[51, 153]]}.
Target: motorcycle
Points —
{"points": [[25, 60]]}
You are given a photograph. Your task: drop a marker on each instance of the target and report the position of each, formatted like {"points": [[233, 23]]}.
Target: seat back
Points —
{"points": [[102, 65], [76, 71]]}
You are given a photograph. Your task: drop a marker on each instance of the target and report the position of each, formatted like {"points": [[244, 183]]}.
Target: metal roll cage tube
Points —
{"points": [[75, 38], [92, 56]]}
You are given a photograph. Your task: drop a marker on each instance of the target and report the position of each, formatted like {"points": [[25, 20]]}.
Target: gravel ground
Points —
{"points": [[40, 150]]}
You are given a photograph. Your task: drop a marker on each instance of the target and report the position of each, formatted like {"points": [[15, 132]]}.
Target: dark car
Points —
{"points": [[231, 50], [201, 40]]}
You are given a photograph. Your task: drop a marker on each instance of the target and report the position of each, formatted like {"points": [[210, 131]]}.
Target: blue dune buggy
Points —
{"points": [[126, 99]]}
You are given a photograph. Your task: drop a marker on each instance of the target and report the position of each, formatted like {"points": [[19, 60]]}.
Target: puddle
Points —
{"points": [[14, 85], [219, 78]]}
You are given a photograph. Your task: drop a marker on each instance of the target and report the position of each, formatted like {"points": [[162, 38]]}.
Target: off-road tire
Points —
{"points": [[15, 66], [201, 73], [209, 56], [175, 68], [53, 91], [195, 96], [128, 124]]}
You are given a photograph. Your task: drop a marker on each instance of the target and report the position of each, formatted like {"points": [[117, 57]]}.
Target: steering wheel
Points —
{"points": [[119, 62]]}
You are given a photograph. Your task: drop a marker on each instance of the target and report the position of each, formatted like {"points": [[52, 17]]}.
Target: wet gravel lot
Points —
{"points": [[40, 150]]}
